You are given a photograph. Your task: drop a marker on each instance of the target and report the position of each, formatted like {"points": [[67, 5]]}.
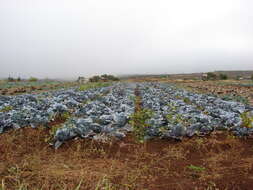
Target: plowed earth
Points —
{"points": [[218, 161]]}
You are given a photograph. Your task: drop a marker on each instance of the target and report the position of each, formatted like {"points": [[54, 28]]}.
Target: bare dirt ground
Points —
{"points": [[219, 161]]}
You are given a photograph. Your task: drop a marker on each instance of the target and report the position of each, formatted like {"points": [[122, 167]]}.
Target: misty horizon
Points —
{"points": [[67, 39]]}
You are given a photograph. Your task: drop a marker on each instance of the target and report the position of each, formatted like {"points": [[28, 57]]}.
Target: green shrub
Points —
{"points": [[10, 79], [211, 76], [95, 79], [6, 109], [103, 78], [247, 120], [52, 131], [223, 76], [112, 78], [33, 79], [64, 116], [238, 77], [187, 100]]}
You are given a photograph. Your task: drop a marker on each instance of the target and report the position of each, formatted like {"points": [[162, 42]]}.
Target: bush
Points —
{"points": [[11, 79], [110, 77], [223, 76], [103, 78], [247, 120], [238, 77], [211, 76], [95, 79], [33, 79]]}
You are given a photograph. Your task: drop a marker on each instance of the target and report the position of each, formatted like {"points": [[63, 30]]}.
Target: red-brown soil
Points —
{"points": [[28, 162]]}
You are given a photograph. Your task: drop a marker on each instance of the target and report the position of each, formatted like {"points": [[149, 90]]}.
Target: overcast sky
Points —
{"points": [[68, 38]]}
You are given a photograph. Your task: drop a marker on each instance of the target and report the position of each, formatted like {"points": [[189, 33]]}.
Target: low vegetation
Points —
{"points": [[247, 119], [103, 78], [6, 109], [89, 85], [196, 168], [211, 76], [33, 79], [215, 76], [223, 76], [138, 120]]}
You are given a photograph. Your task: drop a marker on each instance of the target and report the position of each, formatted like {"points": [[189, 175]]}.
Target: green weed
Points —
{"points": [[93, 85], [196, 168], [6, 109], [139, 122], [247, 120]]}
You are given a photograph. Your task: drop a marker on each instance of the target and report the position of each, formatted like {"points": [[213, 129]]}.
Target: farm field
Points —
{"points": [[21, 87], [230, 89], [128, 135]]}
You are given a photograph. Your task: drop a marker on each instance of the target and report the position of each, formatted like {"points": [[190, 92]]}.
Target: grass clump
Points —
{"points": [[247, 120], [64, 116], [6, 109], [196, 168], [187, 100], [52, 131]]}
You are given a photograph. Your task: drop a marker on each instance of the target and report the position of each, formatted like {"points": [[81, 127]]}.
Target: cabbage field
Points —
{"points": [[101, 113]]}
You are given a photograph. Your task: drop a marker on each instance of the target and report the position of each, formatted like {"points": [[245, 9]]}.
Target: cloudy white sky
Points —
{"points": [[68, 38]]}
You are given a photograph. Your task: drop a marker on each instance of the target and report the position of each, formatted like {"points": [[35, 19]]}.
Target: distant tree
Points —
{"points": [[10, 79], [223, 76], [211, 76], [252, 77], [113, 78], [95, 79], [238, 77], [33, 79], [103, 78], [18, 79]]}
